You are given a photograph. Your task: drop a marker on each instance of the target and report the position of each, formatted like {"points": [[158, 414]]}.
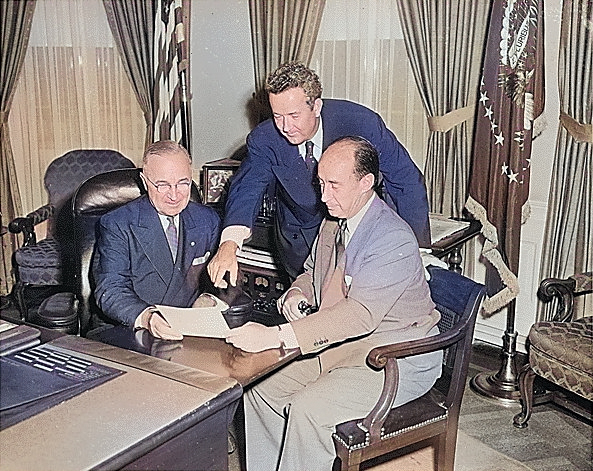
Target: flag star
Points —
{"points": [[483, 97], [488, 112], [528, 162], [499, 139], [512, 176], [505, 167], [493, 126]]}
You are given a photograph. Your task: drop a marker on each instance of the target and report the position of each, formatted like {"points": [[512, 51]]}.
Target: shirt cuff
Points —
{"points": [[287, 336], [237, 234]]}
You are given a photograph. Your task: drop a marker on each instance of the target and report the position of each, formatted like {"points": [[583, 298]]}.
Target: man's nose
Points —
{"points": [[286, 124]]}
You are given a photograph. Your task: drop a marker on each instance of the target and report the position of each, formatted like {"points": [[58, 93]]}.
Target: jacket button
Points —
{"points": [[295, 236]]}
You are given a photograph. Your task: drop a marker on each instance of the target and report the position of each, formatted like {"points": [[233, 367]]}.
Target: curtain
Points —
{"points": [[281, 31], [16, 18], [445, 41], [360, 56], [73, 94], [132, 26], [568, 237]]}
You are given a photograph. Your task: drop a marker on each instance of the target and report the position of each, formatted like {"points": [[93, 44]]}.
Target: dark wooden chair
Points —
{"points": [[436, 414], [560, 352]]}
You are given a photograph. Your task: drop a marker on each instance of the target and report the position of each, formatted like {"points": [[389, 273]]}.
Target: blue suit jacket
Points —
{"points": [[133, 266], [273, 162]]}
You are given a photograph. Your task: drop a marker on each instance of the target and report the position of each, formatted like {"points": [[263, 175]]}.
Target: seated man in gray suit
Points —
{"points": [[366, 280], [154, 249]]}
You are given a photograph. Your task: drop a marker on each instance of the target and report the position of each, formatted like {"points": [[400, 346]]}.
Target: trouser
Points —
{"points": [[290, 416]]}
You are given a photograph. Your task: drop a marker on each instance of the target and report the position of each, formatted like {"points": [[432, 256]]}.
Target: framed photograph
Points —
{"points": [[216, 178]]}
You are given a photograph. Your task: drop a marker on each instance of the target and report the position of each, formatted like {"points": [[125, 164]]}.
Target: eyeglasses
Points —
{"points": [[167, 187]]}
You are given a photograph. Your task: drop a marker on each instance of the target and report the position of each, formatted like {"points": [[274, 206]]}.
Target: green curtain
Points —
{"points": [[281, 31], [568, 236], [16, 18]]}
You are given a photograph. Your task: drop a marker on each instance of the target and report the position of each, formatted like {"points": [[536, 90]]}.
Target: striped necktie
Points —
{"points": [[172, 236], [309, 159], [341, 239]]}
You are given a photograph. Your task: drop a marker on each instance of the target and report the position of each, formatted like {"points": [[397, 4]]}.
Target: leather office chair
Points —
{"points": [[560, 352], [436, 414], [44, 266]]}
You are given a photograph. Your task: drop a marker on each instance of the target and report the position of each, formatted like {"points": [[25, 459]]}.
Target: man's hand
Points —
{"points": [[224, 261], [289, 307], [254, 337], [153, 321]]}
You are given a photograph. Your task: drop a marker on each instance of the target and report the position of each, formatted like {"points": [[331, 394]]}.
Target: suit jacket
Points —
{"points": [[133, 266], [377, 295], [273, 163]]}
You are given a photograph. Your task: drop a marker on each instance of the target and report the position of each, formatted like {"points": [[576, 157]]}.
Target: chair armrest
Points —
{"points": [[378, 356], [27, 224], [565, 291], [385, 357]]}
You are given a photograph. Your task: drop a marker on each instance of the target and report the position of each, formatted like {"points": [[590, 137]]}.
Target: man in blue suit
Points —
{"points": [[277, 158], [153, 250]]}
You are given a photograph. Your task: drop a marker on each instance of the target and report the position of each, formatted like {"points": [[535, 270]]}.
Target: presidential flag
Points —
{"points": [[511, 98], [171, 120]]}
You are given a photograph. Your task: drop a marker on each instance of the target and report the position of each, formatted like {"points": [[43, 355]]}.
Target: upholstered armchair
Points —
{"points": [[41, 266], [561, 351]]}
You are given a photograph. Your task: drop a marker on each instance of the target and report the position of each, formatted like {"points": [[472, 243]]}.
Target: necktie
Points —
{"points": [[309, 159], [172, 236], [341, 239]]}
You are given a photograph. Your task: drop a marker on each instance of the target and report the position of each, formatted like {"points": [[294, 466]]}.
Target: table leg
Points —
{"points": [[455, 260]]}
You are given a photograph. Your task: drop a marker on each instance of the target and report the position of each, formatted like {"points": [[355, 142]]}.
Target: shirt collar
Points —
{"points": [[354, 221], [317, 141]]}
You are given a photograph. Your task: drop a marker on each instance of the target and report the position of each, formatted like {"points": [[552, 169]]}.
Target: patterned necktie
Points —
{"points": [[341, 239], [309, 159], [172, 236]]}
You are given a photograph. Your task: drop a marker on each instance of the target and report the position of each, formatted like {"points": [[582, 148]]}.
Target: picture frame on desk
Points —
{"points": [[216, 180]]}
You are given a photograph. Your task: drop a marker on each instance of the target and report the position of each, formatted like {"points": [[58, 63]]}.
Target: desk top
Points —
{"points": [[210, 355], [108, 426]]}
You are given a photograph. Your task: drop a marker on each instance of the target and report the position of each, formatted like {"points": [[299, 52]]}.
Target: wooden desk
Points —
{"points": [[155, 416], [210, 355]]}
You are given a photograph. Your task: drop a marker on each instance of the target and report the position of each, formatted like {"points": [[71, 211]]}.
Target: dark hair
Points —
{"points": [[164, 147], [366, 157], [294, 75]]}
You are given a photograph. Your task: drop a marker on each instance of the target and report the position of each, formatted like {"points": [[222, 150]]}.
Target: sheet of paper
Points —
{"points": [[441, 226], [196, 321]]}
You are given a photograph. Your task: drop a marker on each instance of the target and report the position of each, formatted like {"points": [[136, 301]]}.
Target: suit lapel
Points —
{"points": [[151, 237]]}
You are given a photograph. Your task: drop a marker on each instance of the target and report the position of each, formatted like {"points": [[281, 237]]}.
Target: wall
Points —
{"points": [[221, 77]]}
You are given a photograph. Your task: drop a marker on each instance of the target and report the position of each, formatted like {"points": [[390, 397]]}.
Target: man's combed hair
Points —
{"points": [[366, 157], [294, 75], [164, 148]]}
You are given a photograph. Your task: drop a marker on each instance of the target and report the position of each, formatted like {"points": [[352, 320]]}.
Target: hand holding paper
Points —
{"points": [[205, 320]]}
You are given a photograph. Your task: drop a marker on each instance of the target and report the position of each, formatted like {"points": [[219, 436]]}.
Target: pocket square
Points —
{"points": [[348, 280], [200, 260]]}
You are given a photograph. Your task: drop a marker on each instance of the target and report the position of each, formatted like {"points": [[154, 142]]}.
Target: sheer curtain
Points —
{"points": [[360, 56], [568, 238], [73, 93]]}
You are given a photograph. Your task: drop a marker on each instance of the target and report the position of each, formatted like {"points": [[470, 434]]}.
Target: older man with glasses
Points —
{"points": [[154, 249]]}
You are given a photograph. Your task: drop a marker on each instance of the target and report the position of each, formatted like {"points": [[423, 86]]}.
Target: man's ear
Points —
{"points": [[317, 105], [143, 181], [367, 182]]}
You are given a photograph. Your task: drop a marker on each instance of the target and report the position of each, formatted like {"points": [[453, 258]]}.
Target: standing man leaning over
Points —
{"points": [[277, 156], [153, 250], [372, 293]]}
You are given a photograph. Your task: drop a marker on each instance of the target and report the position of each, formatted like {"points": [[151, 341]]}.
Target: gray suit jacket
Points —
{"points": [[377, 295]]}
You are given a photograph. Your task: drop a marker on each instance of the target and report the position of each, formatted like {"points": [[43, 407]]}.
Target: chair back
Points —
{"points": [[95, 197], [64, 175], [458, 300]]}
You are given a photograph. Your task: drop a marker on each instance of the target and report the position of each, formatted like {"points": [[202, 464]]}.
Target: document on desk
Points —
{"points": [[197, 321]]}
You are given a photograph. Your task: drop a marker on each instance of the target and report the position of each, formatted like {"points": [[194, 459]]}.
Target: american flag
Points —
{"points": [[511, 97], [171, 67]]}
